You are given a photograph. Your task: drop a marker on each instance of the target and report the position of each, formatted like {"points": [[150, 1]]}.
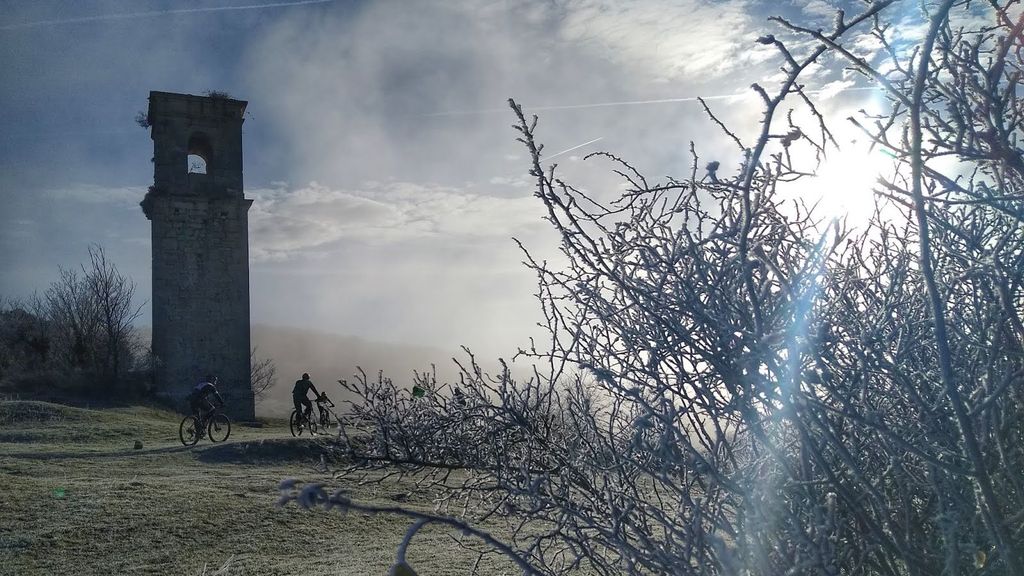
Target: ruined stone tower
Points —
{"points": [[200, 247]]}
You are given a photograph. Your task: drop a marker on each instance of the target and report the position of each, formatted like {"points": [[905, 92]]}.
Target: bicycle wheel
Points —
{"points": [[311, 424], [219, 428], [295, 423], [188, 431]]}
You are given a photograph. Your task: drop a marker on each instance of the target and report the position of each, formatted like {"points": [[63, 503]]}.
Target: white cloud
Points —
{"points": [[95, 194], [830, 90], [514, 182], [291, 222], [669, 40], [819, 8]]}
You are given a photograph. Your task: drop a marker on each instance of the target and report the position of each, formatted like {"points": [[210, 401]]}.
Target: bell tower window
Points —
{"points": [[199, 153], [196, 164]]}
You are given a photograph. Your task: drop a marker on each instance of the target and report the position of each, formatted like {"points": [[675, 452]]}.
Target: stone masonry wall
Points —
{"points": [[200, 249], [201, 296]]}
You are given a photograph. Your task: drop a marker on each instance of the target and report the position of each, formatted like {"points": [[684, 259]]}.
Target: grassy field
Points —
{"points": [[77, 498]]}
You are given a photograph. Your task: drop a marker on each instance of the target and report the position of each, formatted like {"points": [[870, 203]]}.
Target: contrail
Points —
{"points": [[150, 14], [628, 102], [575, 147]]}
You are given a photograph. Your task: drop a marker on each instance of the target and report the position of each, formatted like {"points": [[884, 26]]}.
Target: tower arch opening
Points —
{"points": [[200, 152], [196, 164]]}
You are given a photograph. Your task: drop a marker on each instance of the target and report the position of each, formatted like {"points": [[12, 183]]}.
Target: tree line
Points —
{"points": [[79, 336], [79, 333]]}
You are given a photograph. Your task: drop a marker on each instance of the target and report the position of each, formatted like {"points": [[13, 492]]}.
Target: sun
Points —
{"points": [[846, 182]]}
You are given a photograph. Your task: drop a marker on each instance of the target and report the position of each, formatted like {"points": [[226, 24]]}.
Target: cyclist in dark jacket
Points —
{"points": [[299, 392], [199, 399], [325, 416]]}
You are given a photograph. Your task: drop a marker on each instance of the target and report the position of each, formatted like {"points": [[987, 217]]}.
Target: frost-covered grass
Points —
{"points": [[77, 498], [54, 427]]}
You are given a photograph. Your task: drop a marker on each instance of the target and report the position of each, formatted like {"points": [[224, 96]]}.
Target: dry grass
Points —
{"points": [[77, 498]]}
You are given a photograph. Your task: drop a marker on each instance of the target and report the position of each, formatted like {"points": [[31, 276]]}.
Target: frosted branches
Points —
{"points": [[731, 385]]}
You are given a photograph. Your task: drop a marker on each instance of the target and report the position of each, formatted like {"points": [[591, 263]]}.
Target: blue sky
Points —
{"points": [[378, 149]]}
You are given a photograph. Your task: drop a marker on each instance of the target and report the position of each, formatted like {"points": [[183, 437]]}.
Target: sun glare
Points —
{"points": [[846, 181]]}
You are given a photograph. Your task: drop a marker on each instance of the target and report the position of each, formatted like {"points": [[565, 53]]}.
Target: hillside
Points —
{"points": [[77, 496]]}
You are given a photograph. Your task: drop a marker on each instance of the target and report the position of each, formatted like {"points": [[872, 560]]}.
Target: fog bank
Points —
{"points": [[331, 357]]}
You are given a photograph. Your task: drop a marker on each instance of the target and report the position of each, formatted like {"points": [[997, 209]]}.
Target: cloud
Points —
{"points": [[515, 182], [354, 95], [669, 40], [831, 89], [95, 194], [818, 8], [20, 228], [285, 222], [156, 13]]}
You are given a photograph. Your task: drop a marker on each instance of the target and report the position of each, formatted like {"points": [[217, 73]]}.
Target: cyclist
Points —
{"points": [[199, 399], [299, 392], [320, 401]]}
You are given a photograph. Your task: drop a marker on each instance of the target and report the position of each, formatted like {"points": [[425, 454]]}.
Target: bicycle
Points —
{"points": [[298, 422], [215, 424], [325, 414]]}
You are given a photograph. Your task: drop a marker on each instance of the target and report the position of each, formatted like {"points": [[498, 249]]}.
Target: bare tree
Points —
{"points": [[91, 318], [113, 293], [73, 313], [263, 375], [733, 385]]}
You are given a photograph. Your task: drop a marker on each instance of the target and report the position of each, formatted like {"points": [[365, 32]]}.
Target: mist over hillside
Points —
{"points": [[331, 357]]}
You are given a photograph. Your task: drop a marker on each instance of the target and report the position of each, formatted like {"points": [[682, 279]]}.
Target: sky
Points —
{"points": [[387, 182]]}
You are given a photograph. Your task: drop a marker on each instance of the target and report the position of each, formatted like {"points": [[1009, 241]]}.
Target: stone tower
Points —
{"points": [[200, 247]]}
